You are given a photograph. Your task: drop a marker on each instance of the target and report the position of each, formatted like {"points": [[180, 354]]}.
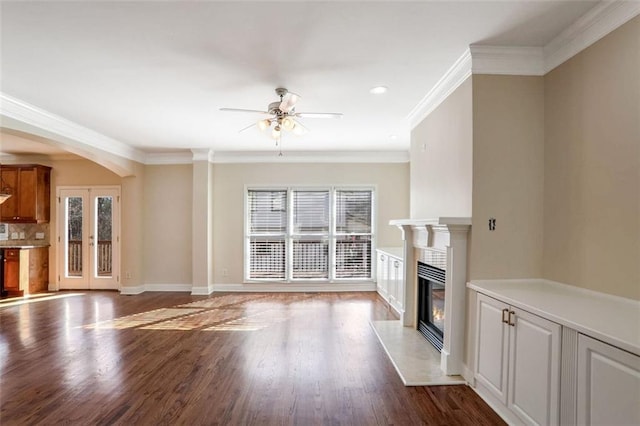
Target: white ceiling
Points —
{"points": [[153, 75]]}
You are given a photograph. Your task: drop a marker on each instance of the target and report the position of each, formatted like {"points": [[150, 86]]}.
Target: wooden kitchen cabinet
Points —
{"points": [[12, 272], [26, 271], [30, 186]]}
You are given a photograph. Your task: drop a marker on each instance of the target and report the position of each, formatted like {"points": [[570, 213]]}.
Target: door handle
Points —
{"points": [[504, 316], [512, 322]]}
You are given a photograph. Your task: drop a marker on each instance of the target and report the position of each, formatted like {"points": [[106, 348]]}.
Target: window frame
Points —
{"points": [[289, 235]]}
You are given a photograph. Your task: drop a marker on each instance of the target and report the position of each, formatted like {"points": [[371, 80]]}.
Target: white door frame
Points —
{"points": [[89, 280]]}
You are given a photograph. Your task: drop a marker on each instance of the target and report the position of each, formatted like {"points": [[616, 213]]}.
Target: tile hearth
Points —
{"points": [[414, 358]]}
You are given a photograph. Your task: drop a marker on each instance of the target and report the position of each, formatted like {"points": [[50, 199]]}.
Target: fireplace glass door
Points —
{"points": [[431, 296]]}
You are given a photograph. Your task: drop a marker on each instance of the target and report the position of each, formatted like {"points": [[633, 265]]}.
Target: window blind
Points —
{"points": [[304, 234]]}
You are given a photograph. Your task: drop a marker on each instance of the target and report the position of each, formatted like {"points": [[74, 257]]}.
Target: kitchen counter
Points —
{"points": [[13, 245]]}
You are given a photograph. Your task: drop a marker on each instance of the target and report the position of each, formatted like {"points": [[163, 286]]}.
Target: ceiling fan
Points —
{"points": [[283, 115]]}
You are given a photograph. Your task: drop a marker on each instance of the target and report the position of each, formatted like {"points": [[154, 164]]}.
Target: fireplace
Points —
{"points": [[440, 245], [431, 293]]}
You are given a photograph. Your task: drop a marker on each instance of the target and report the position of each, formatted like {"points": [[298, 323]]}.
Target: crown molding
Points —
{"points": [[523, 60], [450, 81], [591, 27], [161, 158], [202, 154], [311, 157], [26, 113], [507, 60]]}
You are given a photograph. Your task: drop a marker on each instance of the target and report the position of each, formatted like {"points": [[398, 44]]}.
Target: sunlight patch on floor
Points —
{"points": [[39, 297]]}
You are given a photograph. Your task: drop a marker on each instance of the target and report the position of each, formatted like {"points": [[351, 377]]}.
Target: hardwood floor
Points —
{"points": [[233, 359]]}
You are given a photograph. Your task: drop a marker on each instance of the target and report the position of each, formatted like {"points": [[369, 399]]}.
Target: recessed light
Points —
{"points": [[378, 90]]}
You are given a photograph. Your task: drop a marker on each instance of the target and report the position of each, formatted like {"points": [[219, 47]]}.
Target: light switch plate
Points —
{"points": [[14, 235], [39, 235], [22, 236]]}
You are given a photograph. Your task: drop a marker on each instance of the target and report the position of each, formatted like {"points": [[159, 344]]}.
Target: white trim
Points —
{"points": [[450, 81], [167, 287], [295, 287], [84, 137], [201, 291], [200, 154], [130, 291], [312, 157], [591, 27], [507, 60], [169, 158]]}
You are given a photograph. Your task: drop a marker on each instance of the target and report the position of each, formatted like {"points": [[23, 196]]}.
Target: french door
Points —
{"points": [[88, 238]]}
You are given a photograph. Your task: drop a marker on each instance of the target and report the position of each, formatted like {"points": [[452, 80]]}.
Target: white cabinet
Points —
{"points": [[608, 384], [382, 278], [390, 279], [518, 361], [396, 284]]}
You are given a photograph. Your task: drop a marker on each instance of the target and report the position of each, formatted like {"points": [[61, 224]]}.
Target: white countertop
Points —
{"points": [[393, 251], [612, 319]]}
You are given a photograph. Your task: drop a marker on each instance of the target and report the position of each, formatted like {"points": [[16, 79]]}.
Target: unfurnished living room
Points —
{"points": [[320, 212]]}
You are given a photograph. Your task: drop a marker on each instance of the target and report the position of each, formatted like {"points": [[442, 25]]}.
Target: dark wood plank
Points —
{"points": [[159, 358]]}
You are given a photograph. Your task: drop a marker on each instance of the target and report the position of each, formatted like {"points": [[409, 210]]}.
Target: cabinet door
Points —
{"points": [[492, 346], [398, 269], [9, 209], [12, 270], [27, 186], [534, 368], [383, 275], [608, 384]]}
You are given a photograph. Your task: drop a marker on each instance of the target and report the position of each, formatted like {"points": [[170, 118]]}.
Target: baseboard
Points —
{"points": [[294, 287], [201, 291], [496, 405], [468, 376], [130, 291]]}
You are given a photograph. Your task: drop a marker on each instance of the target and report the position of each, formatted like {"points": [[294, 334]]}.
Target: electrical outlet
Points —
{"points": [[14, 235], [225, 272], [22, 236], [39, 235], [127, 275]]}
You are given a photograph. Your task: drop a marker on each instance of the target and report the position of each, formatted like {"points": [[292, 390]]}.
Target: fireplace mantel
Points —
{"points": [[443, 238]]}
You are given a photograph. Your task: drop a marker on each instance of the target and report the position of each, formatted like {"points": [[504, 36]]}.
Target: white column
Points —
{"points": [[410, 288], [202, 240], [451, 359]]}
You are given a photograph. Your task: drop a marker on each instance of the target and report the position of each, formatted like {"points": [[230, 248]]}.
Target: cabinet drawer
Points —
{"points": [[12, 254]]}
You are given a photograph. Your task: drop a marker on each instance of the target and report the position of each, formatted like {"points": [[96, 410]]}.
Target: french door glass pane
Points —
{"points": [[74, 209], [104, 248], [353, 256]]}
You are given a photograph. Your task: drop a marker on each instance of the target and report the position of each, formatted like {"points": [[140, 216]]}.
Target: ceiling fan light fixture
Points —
{"points": [[288, 123], [275, 134], [264, 124]]}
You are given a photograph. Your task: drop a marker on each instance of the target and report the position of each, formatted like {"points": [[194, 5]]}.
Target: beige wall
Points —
{"points": [[508, 167], [229, 180], [441, 159], [167, 224], [592, 166]]}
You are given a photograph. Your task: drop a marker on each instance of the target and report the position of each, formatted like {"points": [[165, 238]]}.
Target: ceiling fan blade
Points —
{"points": [[299, 129], [246, 128], [319, 114], [290, 102], [243, 110]]}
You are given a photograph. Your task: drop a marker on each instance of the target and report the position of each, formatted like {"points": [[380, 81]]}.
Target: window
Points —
{"points": [[309, 234]]}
